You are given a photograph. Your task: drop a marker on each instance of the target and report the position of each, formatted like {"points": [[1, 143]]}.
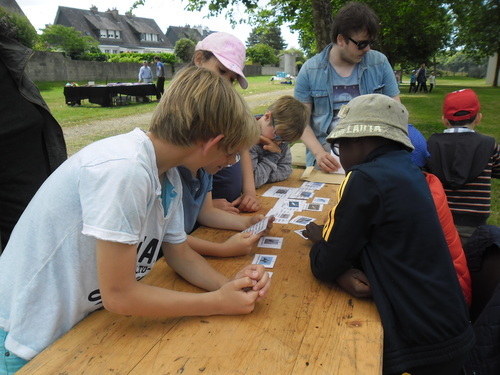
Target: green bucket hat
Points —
{"points": [[373, 115]]}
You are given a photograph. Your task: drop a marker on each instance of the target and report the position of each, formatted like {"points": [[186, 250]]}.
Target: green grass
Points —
{"points": [[425, 109]]}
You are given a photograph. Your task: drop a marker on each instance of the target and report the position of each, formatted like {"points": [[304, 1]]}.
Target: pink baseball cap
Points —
{"points": [[229, 50]]}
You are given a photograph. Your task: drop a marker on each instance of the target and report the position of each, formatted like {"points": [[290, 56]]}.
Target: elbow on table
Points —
{"points": [[116, 302]]}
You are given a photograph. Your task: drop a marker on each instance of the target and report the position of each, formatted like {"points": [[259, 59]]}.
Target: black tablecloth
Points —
{"points": [[103, 95]]}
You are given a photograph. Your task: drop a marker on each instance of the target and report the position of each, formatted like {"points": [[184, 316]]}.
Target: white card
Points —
{"points": [[265, 259], [278, 192], [294, 204], [313, 207], [282, 216], [320, 200], [302, 220], [258, 227], [299, 232], [270, 242], [310, 185], [301, 194]]}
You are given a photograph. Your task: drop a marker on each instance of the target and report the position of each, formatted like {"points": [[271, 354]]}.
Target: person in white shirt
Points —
{"points": [[96, 226]]}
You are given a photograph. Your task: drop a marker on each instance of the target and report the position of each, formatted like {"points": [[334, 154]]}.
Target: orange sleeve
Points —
{"points": [[451, 234]]}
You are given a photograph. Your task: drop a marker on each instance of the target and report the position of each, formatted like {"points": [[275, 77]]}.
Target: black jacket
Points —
{"points": [[386, 219]]}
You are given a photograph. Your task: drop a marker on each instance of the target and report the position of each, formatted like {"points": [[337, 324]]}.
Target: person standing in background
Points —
{"points": [[145, 73], [345, 69], [432, 81], [160, 77]]}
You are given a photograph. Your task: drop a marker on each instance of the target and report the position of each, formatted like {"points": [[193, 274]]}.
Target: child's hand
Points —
{"points": [[260, 280], [355, 282], [237, 297], [270, 145], [224, 205], [240, 243], [314, 232], [247, 203]]}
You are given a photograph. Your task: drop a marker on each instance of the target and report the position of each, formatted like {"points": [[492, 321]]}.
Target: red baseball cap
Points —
{"points": [[461, 105]]}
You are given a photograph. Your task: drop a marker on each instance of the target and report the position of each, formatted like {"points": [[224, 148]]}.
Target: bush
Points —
{"points": [[17, 27]]}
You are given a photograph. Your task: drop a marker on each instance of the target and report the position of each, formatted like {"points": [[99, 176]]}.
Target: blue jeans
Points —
{"points": [[9, 362]]}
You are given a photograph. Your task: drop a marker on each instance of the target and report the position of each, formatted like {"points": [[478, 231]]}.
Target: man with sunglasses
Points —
{"points": [[345, 69]]}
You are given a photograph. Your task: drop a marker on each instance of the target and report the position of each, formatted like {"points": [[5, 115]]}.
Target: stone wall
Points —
{"points": [[54, 66]]}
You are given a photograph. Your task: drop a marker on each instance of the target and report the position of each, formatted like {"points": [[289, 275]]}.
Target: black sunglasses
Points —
{"points": [[363, 44]]}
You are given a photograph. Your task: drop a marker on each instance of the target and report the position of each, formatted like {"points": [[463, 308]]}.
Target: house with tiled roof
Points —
{"points": [[116, 33], [195, 33]]}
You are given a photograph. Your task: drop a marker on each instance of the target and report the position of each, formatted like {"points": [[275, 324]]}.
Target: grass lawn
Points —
{"points": [[425, 109]]}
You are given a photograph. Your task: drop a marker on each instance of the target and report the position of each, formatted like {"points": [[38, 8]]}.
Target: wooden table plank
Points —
{"points": [[302, 327]]}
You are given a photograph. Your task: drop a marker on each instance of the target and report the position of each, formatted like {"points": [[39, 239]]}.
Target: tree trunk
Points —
{"points": [[323, 21], [497, 67]]}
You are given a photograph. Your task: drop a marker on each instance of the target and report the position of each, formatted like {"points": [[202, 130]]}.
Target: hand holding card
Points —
{"points": [[260, 226]]}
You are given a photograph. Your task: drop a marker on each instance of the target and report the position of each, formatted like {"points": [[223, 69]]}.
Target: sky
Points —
{"points": [[164, 12]]}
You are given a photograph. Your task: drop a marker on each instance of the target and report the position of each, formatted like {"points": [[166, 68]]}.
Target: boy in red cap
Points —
{"points": [[464, 161]]}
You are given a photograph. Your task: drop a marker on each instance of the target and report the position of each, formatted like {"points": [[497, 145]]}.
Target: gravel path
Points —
{"points": [[81, 135]]}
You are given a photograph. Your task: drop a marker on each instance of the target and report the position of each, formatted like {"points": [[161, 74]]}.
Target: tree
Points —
{"points": [[270, 35], [68, 40], [18, 27], [184, 49], [262, 54], [412, 30], [477, 22]]}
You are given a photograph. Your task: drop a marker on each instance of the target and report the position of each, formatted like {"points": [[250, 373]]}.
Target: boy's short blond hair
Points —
{"points": [[290, 117], [198, 105]]}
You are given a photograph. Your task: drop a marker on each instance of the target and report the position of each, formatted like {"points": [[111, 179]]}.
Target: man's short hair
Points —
{"points": [[355, 17], [198, 105], [290, 117]]}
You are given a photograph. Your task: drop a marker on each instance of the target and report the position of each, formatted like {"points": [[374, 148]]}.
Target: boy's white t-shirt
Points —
{"points": [[110, 190]]}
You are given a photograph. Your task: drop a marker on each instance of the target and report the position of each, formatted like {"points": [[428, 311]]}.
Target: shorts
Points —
{"points": [[9, 362]]}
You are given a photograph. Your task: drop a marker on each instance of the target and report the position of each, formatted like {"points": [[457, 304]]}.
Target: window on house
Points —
{"points": [[103, 33]]}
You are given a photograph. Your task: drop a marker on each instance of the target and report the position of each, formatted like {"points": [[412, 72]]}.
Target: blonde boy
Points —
{"points": [[96, 226], [283, 123]]}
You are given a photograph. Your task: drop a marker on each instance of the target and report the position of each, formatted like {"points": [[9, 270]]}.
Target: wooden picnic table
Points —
{"points": [[303, 326]]}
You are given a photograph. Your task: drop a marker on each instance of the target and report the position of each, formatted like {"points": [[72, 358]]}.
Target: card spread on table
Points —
{"points": [[258, 227], [301, 194], [278, 192], [265, 259], [281, 216], [270, 242], [313, 207], [320, 200], [309, 185], [302, 220], [300, 232]]}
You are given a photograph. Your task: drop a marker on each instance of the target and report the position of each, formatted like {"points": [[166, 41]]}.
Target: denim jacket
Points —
{"points": [[314, 85]]}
